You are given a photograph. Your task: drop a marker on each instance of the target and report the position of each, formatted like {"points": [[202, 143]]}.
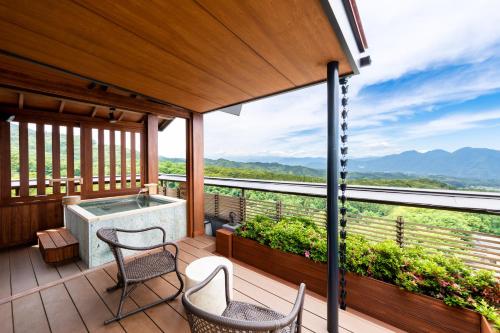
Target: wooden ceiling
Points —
{"points": [[200, 55]]}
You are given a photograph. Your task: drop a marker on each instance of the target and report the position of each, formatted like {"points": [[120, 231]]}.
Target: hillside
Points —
{"points": [[468, 163]]}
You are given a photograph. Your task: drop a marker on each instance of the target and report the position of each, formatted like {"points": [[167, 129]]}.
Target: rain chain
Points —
{"points": [[343, 198]]}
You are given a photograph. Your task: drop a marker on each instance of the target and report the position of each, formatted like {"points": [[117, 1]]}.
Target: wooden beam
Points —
{"points": [[5, 165], [56, 159], [34, 115], [195, 174], [40, 159], [152, 149], [61, 106], [23, 82], [23, 160], [121, 116]]}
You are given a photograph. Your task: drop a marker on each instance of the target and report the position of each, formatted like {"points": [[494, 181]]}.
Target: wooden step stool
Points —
{"points": [[57, 245]]}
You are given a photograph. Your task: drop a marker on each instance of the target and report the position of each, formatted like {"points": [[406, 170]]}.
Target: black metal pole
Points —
{"points": [[332, 189]]}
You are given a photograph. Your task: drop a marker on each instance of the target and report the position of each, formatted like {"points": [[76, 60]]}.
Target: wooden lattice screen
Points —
{"points": [[104, 159]]}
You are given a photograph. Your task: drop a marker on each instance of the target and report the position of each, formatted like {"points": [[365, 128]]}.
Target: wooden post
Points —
{"points": [[216, 205], [40, 159], [400, 224], [23, 160], [86, 160], [243, 209], [152, 150], [5, 172], [194, 175], [279, 210], [56, 159]]}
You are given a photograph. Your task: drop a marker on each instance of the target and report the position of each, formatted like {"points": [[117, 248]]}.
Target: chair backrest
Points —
{"points": [[201, 321], [110, 237]]}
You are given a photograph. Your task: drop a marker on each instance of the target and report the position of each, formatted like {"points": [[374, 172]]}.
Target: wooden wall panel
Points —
{"points": [[56, 159], [23, 160], [19, 223]]}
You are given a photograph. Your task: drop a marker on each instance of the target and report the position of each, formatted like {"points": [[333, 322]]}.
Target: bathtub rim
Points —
{"points": [[90, 218]]}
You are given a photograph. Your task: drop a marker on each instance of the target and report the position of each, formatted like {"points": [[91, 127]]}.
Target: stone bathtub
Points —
{"points": [[125, 212]]}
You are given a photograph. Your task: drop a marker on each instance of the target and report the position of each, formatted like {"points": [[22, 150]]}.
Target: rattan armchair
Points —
{"points": [[240, 316], [140, 268]]}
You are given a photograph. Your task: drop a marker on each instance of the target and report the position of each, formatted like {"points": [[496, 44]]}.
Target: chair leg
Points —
{"points": [[119, 315], [117, 286], [126, 292]]}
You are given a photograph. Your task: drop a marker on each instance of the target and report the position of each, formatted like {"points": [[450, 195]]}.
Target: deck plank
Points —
{"points": [[22, 275], [92, 309], [29, 314], [140, 322], [61, 312], [68, 269], [5, 290], [81, 303], [6, 324], [272, 293], [44, 272], [143, 295]]}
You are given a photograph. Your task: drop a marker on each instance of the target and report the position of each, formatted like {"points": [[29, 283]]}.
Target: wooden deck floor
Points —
{"points": [[35, 297]]}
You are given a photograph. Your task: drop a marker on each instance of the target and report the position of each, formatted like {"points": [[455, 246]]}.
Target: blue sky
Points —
{"points": [[434, 84]]}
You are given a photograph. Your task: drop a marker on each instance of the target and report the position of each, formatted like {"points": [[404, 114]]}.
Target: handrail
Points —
{"points": [[466, 201]]}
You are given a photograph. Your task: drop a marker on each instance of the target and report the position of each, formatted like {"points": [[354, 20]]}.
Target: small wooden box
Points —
{"points": [[224, 242], [57, 245]]}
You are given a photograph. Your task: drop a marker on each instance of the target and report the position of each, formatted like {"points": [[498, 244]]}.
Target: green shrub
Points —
{"points": [[412, 268]]}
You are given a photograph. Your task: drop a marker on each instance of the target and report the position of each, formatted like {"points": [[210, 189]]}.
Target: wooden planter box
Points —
{"points": [[380, 300]]}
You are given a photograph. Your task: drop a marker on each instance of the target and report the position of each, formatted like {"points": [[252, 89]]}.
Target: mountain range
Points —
{"points": [[465, 163]]}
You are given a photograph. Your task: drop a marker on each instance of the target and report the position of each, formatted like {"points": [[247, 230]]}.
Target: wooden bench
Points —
{"points": [[57, 245]]}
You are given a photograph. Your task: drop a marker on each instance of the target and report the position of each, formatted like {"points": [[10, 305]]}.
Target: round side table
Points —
{"points": [[212, 298]]}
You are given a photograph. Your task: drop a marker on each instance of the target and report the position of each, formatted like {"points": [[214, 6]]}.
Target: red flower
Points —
{"points": [[307, 254]]}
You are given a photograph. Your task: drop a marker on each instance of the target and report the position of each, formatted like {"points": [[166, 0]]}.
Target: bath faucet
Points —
{"points": [[142, 190]]}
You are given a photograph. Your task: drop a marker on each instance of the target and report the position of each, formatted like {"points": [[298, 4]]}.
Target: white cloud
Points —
{"points": [[404, 37]]}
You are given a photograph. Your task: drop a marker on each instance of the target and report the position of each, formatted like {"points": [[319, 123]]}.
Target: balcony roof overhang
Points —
{"points": [[199, 55]]}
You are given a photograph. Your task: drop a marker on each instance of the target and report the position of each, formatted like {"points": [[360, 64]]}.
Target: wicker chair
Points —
{"points": [[240, 316], [141, 268]]}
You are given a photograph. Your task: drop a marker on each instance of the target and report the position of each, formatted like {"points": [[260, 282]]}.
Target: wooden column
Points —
{"points": [[194, 175], [152, 150], [5, 173]]}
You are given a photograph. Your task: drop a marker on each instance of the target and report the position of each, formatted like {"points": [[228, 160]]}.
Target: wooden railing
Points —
{"points": [[478, 250]]}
